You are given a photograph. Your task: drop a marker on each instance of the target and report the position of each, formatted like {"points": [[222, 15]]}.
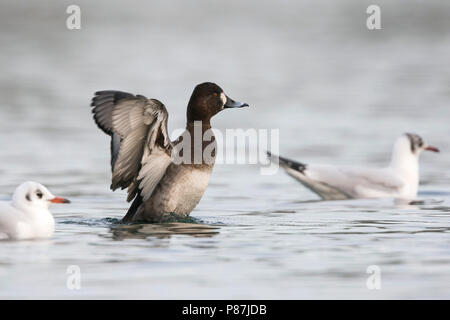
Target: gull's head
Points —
{"points": [[417, 144], [413, 144], [35, 195]]}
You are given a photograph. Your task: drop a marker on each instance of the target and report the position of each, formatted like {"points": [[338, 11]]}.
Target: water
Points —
{"points": [[338, 92]]}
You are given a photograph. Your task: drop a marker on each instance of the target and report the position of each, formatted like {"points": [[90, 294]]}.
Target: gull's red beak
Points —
{"points": [[431, 148], [59, 200]]}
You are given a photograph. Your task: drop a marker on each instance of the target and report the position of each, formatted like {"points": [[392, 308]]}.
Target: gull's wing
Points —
{"points": [[335, 183], [140, 146], [357, 182]]}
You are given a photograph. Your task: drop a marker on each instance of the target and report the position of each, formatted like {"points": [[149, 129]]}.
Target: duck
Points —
{"points": [[399, 180], [164, 179], [27, 215]]}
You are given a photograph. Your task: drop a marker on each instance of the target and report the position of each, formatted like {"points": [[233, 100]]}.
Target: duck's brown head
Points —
{"points": [[207, 100]]}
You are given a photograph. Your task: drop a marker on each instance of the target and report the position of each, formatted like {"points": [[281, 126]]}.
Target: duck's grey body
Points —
{"points": [[178, 192], [141, 152]]}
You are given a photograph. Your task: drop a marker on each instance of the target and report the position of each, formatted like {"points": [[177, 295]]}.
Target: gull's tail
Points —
{"points": [[287, 163], [297, 171]]}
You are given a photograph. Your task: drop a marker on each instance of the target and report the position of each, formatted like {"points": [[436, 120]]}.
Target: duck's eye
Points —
{"points": [[39, 194], [215, 94]]}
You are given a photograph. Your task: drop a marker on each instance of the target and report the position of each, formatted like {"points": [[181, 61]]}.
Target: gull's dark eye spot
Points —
{"points": [[39, 194], [28, 197], [420, 143]]}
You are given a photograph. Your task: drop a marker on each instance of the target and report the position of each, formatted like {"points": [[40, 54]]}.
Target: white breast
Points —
{"points": [[192, 184]]}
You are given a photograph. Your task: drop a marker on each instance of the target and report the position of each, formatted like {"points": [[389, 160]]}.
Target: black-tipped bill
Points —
{"points": [[431, 148], [234, 104], [59, 200]]}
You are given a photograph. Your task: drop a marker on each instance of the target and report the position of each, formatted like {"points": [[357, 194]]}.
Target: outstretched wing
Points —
{"points": [[140, 146]]}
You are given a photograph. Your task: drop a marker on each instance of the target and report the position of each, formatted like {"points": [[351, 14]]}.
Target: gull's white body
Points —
{"points": [[398, 180], [27, 216], [25, 223]]}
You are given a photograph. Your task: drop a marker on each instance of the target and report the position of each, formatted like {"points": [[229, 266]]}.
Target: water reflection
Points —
{"points": [[162, 230]]}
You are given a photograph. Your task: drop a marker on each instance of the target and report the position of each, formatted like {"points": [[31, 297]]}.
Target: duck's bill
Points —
{"points": [[59, 200], [234, 104], [431, 148]]}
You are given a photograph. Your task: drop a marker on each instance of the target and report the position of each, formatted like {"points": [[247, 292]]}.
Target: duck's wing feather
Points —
{"points": [[103, 104], [140, 146]]}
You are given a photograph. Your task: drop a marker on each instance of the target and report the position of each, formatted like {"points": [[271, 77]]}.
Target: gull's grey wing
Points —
{"points": [[337, 183], [358, 182], [140, 146]]}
